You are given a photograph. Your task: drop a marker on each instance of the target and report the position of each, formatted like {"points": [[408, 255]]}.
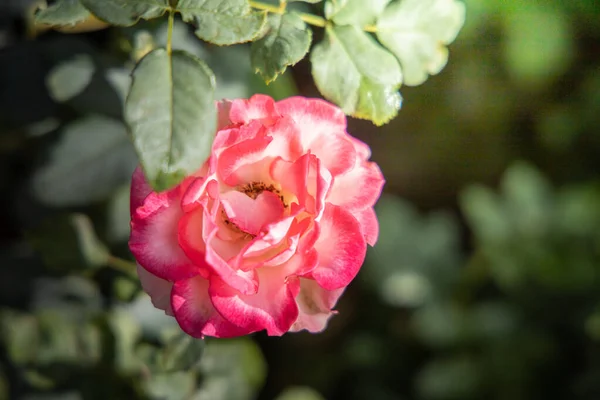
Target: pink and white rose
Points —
{"points": [[269, 232]]}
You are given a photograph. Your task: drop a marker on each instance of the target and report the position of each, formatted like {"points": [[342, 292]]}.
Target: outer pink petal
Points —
{"points": [[153, 239], [322, 128], [362, 149], [358, 188], [196, 314], [369, 224], [341, 247], [139, 189], [313, 117], [258, 107], [272, 308], [158, 289], [315, 305], [251, 215]]}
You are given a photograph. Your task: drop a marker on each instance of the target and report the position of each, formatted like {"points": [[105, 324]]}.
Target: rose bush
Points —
{"points": [[272, 228]]}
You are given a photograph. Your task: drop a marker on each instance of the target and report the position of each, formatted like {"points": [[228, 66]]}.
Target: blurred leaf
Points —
{"points": [[538, 45], [416, 258], [180, 352], [223, 22], [287, 41], [171, 114], [70, 78], [4, 387], [125, 13], [454, 378], [306, 1], [92, 158], [300, 393], [120, 80], [118, 216], [20, 334], [233, 368], [54, 396], [126, 333], [354, 12], [74, 295], [173, 386], [62, 12], [352, 70], [417, 31], [523, 231], [68, 242], [441, 325]]}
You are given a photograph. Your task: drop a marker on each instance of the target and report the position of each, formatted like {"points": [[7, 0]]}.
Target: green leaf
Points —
{"points": [[70, 78], [62, 12], [91, 160], [354, 12], [223, 22], [306, 1], [171, 115], [126, 12], [287, 41], [417, 31], [352, 70]]}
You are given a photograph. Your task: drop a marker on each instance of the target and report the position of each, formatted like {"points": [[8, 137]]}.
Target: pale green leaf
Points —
{"points": [[62, 12], [354, 12], [223, 22], [171, 115], [287, 41], [70, 78], [352, 70], [92, 158], [417, 32], [305, 1], [126, 12]]}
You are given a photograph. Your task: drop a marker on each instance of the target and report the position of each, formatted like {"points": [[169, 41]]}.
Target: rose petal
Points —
{"points": [[258, 107], [336, 153], [153, 239], [233, 158], [251, 215], [196, 314], [272, 308], [358, 188], [368, 223], [158, 289], [313, 117], [197, 238], [315, 306], [140, 189], [341, 247], [305, 179]]}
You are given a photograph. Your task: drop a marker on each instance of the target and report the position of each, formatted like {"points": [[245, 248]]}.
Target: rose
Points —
{"points": [[269, 232]]}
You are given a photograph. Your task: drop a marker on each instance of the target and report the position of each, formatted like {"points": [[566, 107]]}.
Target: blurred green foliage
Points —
{"points": [[485, 282]]}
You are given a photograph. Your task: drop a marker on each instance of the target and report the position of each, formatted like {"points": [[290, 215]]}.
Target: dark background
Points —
{"points": [[485, 282]]}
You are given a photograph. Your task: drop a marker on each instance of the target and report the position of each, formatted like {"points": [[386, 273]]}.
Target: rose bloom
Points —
{"points": [[272, 228]]}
